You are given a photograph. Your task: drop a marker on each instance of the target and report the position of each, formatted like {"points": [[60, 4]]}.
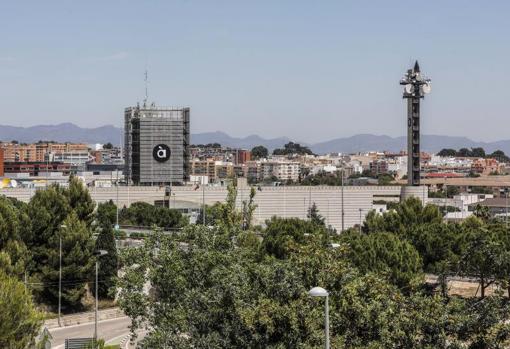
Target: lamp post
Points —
{"points": [[98, 254], [506, 207], [342, 194], [320, 292], [117, 203], [63, 226], [203, 201], [360, 220]]}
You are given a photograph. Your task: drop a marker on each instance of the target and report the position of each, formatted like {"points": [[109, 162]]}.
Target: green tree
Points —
{"points": [[203, 291], [282, 236], [19, 320], [315, 216], [47, 210], [452, 190], [14, 255], [464, 152], [482, 212], [147, 215], [77, 263], [231, 218], [108, 264], [223, 290], [322, 178], [500, 156], [407, 214], [249, 208], [385, 179], [386, 254], [447, 152], [80, 201], [292, 148], [481, 256], [481, 190], [259, 152], [106, 214], [439, 245], [478, 152], [212, 214]]}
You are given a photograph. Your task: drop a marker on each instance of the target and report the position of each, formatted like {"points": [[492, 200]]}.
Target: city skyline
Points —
{"points": [[258, 68]]}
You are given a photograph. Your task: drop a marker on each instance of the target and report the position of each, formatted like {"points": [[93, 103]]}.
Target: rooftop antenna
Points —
{"points": [[146, 88]]}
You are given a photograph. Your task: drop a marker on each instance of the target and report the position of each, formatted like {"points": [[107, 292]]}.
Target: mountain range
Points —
{"points": [[68, 132]]}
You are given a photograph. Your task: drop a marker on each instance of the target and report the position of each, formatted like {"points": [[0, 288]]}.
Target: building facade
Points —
{"points": [[37, 168], [74, 154], [156, 145]]}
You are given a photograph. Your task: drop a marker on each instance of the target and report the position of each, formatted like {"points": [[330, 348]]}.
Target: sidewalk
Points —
{"points": [[80, 318]]}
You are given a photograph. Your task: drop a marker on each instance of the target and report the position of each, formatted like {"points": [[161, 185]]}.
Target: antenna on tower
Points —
{"points": [[146, 88]]}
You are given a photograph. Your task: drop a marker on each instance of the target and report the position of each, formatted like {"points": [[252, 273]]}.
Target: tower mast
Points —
{"points": [[415, 88], [146, 88]]}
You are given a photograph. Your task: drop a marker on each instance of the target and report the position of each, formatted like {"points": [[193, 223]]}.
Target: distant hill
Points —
{"points": [[68, 132], [431, 143], [246, 142]]}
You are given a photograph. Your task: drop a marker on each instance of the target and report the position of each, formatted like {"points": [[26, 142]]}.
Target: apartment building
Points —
{"points": [[203, 168], [287, 171], [39, 152]]}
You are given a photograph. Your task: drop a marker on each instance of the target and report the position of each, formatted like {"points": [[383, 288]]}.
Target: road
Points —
{"points": [[111, 330]]}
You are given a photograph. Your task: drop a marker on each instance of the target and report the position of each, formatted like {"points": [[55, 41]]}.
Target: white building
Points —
{"points": [[285, 171], [75, 158]]}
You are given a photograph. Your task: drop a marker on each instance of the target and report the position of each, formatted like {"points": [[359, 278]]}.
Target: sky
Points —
{"points": [[308, 70]]}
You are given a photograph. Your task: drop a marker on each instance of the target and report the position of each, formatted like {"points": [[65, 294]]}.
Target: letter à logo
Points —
{"points": [[161, 153]]}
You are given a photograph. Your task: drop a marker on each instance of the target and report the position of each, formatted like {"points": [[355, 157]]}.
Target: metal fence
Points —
{"points": [[80, 343]]}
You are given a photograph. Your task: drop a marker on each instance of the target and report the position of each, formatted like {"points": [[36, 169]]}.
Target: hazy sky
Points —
{"points": [[309, 70]]}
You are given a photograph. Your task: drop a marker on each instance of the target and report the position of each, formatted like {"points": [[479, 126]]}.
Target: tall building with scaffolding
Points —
{"points": [[156, 145]]}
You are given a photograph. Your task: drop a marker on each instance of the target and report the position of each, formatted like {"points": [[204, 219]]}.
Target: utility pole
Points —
{"points": [[117, 213], [342, 194], [506, 208], [310, 200], [360, 220], [60, 274], [97, 254], [95, 314], [203, 201], [445, 196]]}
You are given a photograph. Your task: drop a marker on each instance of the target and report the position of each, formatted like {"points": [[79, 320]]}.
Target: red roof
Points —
{"points": [[443, 175]]}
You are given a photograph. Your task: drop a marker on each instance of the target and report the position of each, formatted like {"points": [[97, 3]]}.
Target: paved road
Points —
{"points": [[109, 330]]}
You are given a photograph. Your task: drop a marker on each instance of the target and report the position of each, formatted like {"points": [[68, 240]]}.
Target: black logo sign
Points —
{"points": [[161, 153]]}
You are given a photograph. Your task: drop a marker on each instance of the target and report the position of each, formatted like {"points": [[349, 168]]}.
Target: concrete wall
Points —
{"points": [[292, 201]]}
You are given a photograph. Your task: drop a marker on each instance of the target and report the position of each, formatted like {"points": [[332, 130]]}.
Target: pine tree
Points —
{"points": [[80, 200], [77, 262], [19, 320], [108, 264], [315, 216]]}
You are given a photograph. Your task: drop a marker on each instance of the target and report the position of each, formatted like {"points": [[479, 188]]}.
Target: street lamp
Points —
{"points": [[506, 207], [320, 292], [342, 194], [360, 220], [63, 226], [98, 254]]}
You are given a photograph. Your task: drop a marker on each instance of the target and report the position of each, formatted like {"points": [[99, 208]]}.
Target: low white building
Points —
{"points": [[463, 200]]}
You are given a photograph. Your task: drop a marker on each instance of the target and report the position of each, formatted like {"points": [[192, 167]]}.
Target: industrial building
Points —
{"points": [[282, 201], [156, 145]]}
